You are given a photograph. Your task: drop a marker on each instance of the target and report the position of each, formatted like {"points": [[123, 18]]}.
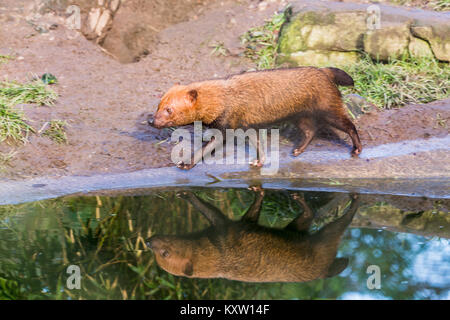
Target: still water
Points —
{"points": [[226, 244]]}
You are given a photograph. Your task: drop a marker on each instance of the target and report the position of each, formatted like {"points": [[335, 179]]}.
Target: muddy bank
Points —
{"points": [[106, 103], [418, 169]]}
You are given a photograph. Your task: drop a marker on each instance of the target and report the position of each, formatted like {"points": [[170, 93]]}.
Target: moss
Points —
{"points": [[292, 39]]}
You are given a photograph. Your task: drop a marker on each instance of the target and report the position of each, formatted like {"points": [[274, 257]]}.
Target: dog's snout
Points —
{"points": [[152, 243], [151, 120]]}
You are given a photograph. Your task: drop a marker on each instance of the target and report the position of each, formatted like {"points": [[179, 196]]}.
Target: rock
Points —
{"points": [[388, 42], [419, 48], [322, 33], [93, 17], [438, 35], [357, 105], [319, 58], [114, 5], [103, 21]]}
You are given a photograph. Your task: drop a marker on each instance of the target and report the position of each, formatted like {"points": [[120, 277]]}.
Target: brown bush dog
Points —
{"points": [[243, 250], [306, 96]]}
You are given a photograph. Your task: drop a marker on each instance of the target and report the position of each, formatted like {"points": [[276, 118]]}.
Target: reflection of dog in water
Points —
{"points": [[242, 250]]}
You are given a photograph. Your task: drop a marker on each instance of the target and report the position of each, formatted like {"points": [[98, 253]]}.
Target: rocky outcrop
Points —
{"points": [[335, 33]]}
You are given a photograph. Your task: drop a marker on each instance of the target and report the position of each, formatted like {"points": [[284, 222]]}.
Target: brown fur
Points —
{"points": [[247, 252], [306, 96]]}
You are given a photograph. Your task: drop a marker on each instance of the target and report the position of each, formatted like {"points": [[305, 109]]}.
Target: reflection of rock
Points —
{"points": [[331, 33], [418, 219]]}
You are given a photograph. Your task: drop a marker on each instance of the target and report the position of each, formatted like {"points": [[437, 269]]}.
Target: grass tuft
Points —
{"points": [[399, 82], [261, 43], [12, 93], [437, 5], [56, 131], [219, 49], [5, 158], [441, 5], [12, 125]]}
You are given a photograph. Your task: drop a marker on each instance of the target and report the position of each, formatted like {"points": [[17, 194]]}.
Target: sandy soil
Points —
{"points": [[107, 103]]}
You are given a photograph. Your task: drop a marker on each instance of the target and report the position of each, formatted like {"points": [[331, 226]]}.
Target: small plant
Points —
{"points": [[48, 78], [5, 158], [219, 49], [440, 122], [5, 58], [12, 125], [261, 43], [55, 130], [12, 93]]}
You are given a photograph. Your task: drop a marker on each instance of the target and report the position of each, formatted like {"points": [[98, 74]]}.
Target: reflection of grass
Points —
{"points": [[56, 131], [105, 238], [262, 42], [400, 81]]}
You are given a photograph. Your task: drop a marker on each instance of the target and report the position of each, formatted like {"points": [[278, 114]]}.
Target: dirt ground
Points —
{"points": [[106, 103]]}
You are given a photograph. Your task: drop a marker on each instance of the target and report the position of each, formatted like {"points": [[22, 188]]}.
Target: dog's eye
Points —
{"points": [[169, 110], [164, 253]]}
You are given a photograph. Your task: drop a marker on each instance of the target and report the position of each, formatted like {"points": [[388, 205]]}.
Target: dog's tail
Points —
{"points": [[338, 76]]}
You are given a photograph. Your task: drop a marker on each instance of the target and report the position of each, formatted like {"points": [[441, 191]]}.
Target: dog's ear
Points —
{"points": [[192, 95], [188, 268]]}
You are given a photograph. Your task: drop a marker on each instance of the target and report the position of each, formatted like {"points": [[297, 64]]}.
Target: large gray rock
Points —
{"points": [[391, 41], [331, 33], [438, 35]]}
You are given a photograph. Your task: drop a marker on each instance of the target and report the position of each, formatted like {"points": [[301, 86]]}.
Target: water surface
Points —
{"points": [[105, 237]]}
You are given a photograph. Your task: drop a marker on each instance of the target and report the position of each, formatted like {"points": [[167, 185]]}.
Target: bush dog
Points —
{"points": [[306, 96], [243, 250]]}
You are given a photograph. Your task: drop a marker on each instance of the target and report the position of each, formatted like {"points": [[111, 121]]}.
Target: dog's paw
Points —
{"points": [[185, 166], [256, 163]]}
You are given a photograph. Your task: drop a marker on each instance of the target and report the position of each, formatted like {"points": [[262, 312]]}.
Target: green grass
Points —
{"points": [[219, 49], [56, 131], [5, 58], [441, 5], [13, 126], [438, 5], [12, 93], [261, 43], [399, 82]]}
